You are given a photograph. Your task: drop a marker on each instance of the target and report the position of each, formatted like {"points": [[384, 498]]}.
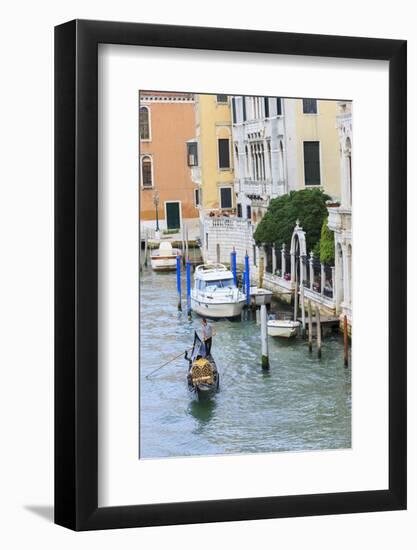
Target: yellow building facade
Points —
{"points": [[317, 146], [211, 155]]}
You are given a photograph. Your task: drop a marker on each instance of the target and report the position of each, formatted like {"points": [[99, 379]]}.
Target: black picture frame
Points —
{"points": [[76, 272]]}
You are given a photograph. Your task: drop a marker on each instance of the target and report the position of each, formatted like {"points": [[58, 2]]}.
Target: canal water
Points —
{"points": [[301, 403]]}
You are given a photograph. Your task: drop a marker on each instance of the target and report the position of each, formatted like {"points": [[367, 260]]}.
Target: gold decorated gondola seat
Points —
{"points": [[202, 372]]}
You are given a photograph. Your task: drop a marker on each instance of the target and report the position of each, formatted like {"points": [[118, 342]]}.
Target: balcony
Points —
{"points": [[340, 219], [223, 222], [257, 187]]}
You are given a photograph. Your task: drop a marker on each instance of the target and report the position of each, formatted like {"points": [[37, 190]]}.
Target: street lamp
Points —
{"points": [[155, 199]]}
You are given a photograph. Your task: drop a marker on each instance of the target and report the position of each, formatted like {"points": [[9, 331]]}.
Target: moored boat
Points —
{"points": [[282, 328], [203, 378], [164, 258], [215, 293]]}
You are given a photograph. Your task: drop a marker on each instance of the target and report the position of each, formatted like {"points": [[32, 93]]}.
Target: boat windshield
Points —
{"points": [[220, 283]]}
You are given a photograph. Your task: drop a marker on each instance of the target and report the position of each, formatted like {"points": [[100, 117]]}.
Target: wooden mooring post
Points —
{"points": [[303, 311], [318, 329], [295, 300], [146, 249], [345, 340], [264, 338], [310, 328], [261, 271]]}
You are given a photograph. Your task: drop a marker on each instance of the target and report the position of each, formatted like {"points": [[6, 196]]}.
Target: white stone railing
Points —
{"points": [[257, 187], [310, 294], [223, 222], [339, 219]]}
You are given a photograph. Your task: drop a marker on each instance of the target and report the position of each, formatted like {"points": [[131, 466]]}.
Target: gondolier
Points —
{"points": [[207, 335]]}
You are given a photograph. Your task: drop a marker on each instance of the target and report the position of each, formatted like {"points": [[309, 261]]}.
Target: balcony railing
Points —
{"points": [[339, 218], [223, 222], [257, 187]]}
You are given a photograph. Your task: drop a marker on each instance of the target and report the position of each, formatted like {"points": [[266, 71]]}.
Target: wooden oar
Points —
{"points": [[170, 361]]}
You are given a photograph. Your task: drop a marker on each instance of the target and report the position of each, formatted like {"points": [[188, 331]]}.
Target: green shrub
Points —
{"points": [[326, 244], [306, 205]]}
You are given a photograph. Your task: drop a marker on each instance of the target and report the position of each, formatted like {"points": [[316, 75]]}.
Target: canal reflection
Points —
{"points": [[301, 403], [202, 411]]}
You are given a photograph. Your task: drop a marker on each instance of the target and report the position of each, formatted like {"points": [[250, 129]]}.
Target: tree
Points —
{"points": [[326, 244], [306, 205]]}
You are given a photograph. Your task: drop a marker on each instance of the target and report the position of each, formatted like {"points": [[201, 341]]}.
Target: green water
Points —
{"points": [[301, 403]]}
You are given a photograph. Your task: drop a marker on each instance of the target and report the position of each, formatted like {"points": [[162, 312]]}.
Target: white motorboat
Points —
{"points": [[215, 293], [282, 328], [164, 258], [260, 296]]}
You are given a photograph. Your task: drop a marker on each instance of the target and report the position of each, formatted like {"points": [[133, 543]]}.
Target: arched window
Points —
{"points": [[147, 171], [144, 123]]}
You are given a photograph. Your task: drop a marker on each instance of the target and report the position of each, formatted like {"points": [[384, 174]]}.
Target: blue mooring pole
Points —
{"points": [[247, 279], [233, 264], [179, 280], [188, 278]]}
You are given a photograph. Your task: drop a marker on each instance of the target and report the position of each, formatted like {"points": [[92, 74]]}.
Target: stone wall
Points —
{"points": [[221, 234]]}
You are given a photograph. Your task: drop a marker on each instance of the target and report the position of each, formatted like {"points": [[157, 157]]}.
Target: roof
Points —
{"points": [[212, 272]]}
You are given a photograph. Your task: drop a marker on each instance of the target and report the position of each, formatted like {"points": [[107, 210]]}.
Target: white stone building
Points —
{"points": [[262, 163], [340, 218], [260, 153]]}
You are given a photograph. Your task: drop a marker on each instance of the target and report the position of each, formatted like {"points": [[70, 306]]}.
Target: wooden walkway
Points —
{"points": [[327, 324], [324, 320]]}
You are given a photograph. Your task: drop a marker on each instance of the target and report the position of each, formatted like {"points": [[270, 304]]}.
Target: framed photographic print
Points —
{"points": [[230, 275]]}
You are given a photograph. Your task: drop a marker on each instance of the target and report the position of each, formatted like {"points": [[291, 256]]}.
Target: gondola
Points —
{"points": [[202, 375]]}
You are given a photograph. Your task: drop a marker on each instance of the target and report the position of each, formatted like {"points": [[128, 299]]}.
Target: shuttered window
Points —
{"points": [[279, 106], [224, 153], [197, 197], [192, 153], [225, 197], [310, 106], [266, 103], [234, 109], [312, 162]]}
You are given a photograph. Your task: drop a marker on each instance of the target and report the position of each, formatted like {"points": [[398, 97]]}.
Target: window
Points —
{"points": [[220, 283], [192, 153], [221, 98], [239, 210], [248, 211], [196, 197], [244, 108], [234, 109], [312, 163], [310, 106], [224, 153], [266, 103], [147, 172], [279, 106], [144, 127], [225, 197]]}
